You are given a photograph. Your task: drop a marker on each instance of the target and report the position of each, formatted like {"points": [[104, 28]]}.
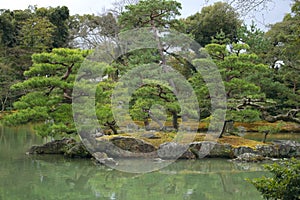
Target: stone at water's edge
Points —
{"points": [[102, 158], [78, 151], [66, 146], [280, 149], [242, 150], [250, 157], [210, 149], [53, 147], [125, 147], [173, 150]]}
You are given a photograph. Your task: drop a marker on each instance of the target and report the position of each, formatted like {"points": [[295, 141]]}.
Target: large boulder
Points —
{"points": [[173, 150], [132, 144], [211, 149], [123, 147], [78, 151], [53, 147]]}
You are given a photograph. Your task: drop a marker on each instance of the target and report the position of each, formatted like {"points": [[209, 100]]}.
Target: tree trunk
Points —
{"points": [[175, 121], [113, 128], [146, 124], [228, 124], [265, 136], [3, 102]]}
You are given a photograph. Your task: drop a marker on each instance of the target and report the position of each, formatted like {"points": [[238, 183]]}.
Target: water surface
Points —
{"points": [[30, 177]]}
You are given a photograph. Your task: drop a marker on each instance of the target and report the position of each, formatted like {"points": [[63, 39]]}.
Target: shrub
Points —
{"points": [[284, 183]]}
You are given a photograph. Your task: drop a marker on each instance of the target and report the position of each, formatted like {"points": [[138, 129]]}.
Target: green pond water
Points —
{"points": [[39, 177]]}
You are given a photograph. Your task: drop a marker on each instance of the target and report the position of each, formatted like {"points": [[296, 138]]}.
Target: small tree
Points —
{"points": [[285, 183], [269, 130]]}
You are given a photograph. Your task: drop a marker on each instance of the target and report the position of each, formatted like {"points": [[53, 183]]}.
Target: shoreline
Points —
{"points": [[105, 152]]}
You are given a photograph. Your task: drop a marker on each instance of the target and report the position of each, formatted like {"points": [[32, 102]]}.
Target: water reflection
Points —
{"points": [[55, 177]]}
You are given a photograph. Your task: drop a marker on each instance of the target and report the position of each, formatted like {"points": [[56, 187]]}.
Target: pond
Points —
{"points": [[49, 177]]}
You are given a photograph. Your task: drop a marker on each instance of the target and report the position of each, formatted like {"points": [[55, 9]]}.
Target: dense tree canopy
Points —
{"points": [[24, 32], [260, 70], [48, 92], [214, 19]]}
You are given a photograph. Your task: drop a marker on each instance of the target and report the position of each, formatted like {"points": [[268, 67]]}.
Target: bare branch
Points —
{"points": [[246, 6]]}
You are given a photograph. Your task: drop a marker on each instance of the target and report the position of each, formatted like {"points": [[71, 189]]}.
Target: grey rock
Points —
{"points": [[97, 135], [188, 155], [150, 136], [172, 150], [211, 149], [103, 159], [123, 147], [78, 151], [280, 149], [53, 147], [132, 144], [241, 150]]}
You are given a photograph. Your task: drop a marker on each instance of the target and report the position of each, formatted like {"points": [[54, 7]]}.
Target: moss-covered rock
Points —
{"points": [[77, 151], [53, 147], [132, 144]]}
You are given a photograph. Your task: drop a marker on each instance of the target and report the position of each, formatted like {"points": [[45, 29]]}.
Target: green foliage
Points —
{"points": [[201, 91], [255, 38], [59, 18], [103, 105], [48, 92], [36, 33], [284, 183], [245, 115], [285, 39], [7, 77], [239, 69], [41, 28], [151, 95], [270, 129], [23, 33], [213, 20], [146, 13], [248, 60]]}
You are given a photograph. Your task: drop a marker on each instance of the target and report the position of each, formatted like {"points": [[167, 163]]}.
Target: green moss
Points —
{"points": [[162, 137], [236, 141]]}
